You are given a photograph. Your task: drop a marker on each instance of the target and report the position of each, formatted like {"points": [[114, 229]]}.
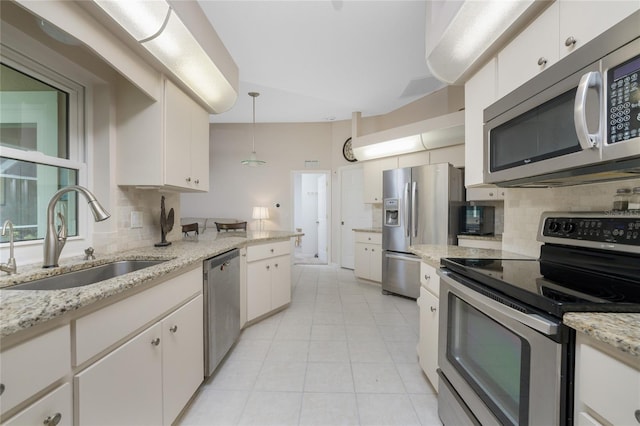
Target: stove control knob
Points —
{"points": [[568, 227], [554, 226]]}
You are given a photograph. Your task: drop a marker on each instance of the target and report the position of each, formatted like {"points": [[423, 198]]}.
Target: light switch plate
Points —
{"points": [[136, 220]]}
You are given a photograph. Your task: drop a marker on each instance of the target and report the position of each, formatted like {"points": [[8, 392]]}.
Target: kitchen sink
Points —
{"points": [[86, 276]]}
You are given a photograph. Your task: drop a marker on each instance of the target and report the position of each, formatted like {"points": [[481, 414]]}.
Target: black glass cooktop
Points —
{"points": [[558, 288]]}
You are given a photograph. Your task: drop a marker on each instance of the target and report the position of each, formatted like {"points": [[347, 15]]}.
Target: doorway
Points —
{"points": [[311, 195]]}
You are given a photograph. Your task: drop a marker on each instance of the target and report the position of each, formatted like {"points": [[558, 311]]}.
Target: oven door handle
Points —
{"points": [[531, 320]]}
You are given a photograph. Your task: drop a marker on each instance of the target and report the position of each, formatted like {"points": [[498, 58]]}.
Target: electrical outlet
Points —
{"points": [[136, 220]]}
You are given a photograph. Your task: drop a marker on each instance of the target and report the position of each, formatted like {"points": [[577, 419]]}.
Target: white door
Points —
{"points": [[322, 219], [354, 213]]}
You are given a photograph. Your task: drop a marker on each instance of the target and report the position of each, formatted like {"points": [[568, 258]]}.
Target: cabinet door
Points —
{"points": [[361, 261], [373, 177], [533, 50], [582, 21], [125, 387], [485, 194], [480, 92], [258, 288], [178, 108], [375, 263], [428, 344], [55, 406], [182, 357], [280, 281], [199, 148]]}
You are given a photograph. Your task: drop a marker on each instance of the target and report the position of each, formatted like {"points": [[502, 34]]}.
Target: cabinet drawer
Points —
{"points": [[101, 329], [369, 237], [43, 360], [264, 251], [56, 404], [429, 278], [608, 386]]}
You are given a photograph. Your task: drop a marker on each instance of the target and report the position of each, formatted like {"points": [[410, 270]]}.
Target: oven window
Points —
{"points": [[492, 359]]}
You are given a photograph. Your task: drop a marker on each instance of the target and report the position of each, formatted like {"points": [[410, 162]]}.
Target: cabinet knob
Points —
{"points": [[1, 388], [197, 181], [173, 329], [372, 250], [268, 267], [53, 421], [276, 265], [427, 277], [570, 41], [432, 309], [637, 414], [366, 249], [542, 61], [188, 179], [156, 341], [272, 250]]}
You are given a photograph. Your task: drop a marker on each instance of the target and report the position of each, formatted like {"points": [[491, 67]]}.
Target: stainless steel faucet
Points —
{"points": [[10, 267], [55, 241]]}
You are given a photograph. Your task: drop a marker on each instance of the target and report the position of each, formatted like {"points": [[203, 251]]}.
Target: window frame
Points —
{"points": [[31, 250]]}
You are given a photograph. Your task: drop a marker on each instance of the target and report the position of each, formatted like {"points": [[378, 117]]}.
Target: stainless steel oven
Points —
{"points": [[504, 355], [508, 364]]}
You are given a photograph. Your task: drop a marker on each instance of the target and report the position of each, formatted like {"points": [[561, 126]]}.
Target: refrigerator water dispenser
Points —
{"points": [[391, 212]]}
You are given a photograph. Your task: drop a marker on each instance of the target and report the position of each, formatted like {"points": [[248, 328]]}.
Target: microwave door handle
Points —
{"points": [[414, 208], [589, 80], [407, 223]]}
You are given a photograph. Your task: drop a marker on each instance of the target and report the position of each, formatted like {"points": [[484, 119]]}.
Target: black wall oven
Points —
{"points": [[505, 357]]}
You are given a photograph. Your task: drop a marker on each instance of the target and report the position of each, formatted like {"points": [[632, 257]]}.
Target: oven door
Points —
{"points": [[507, 365]]}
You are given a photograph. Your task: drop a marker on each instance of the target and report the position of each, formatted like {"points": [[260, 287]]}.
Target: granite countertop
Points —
{"points": [[432, 253], [376, 230], [622, 331], [497, 237], [21, 309]]}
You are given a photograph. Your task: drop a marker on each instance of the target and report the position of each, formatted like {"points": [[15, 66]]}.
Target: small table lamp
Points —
{"points": [[260, 213]]}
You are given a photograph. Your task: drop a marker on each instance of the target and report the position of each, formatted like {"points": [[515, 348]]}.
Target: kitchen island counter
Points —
{"points": [[23, 309]]}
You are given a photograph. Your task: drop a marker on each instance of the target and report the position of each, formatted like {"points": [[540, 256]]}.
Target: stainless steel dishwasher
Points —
{"points": [[222, 307]]}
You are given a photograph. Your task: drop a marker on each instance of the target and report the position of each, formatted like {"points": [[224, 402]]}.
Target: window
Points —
{"points": [[41, 146]]}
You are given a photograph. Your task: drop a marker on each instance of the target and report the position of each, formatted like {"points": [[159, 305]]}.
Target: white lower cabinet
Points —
{"points": [[368, 256], [428, 339], [55, 408], [607, 385], [268, 278], [124, 387]]}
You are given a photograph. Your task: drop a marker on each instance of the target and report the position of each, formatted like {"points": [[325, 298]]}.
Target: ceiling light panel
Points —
{"points": [[141, 18]]}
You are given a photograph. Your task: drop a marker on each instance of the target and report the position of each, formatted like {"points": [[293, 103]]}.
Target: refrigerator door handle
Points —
{"points": [[414, 208], [407, 222]]}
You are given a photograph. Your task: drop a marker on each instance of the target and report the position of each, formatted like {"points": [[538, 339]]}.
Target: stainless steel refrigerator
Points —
{"points": [[420, 206]]}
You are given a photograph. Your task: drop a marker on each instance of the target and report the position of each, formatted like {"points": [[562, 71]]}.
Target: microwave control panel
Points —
{"points": [[623, 101], [614, 229]]}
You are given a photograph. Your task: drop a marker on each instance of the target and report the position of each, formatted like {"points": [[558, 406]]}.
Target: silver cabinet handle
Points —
{"points": [[53, 421], [432, 309], [542, 61], [156, 341], [570, 41], [173, 329]]}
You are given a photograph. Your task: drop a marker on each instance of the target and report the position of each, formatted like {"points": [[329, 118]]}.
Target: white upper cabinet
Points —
{"points": [[162, 144], [532, 51], [480, 93], [582, 21]]}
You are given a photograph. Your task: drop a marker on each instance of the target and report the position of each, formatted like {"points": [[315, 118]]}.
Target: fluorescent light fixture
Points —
{"points": [[472, 32], [437, 132], [159, 30]]}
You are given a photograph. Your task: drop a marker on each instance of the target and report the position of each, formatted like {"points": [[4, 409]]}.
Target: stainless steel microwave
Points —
{"points": [[576, 122]]}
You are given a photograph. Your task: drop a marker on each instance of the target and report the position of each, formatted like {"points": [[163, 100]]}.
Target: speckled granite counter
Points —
{"points": [[432, 254], [376, 230], [622, 331], [21, 309]]}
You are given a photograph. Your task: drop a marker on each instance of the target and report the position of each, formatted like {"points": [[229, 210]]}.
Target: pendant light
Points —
{"points": [[253, 159]]}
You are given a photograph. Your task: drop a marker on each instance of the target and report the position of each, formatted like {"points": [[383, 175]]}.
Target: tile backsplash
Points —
{"points": [[523, 207]]}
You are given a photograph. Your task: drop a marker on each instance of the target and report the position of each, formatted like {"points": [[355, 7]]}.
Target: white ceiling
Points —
{"points": [[316, 61]]}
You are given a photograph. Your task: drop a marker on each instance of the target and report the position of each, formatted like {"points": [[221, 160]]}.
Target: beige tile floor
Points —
{"points": [[340, 354]]}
